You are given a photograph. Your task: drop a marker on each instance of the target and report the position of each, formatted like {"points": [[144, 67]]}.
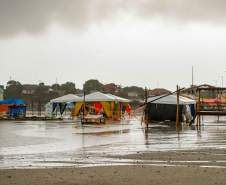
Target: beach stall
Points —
{"points": [[163, 108], [124, 106], [63, 102], [12, 108], [99, 103]]}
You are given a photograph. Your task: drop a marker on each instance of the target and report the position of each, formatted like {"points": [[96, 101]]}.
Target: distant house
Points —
{"points": [[158, 92], [111, 88], [192, 91], [133, 94], [1, 92], [29, 89]]}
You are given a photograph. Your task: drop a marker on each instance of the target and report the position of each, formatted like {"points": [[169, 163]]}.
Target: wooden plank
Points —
{"points": [[211, 113], [211, 89]]}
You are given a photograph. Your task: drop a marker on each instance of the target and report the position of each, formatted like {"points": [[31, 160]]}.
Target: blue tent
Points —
{"points": [[17, 111], [12, 102], [17, 108]]}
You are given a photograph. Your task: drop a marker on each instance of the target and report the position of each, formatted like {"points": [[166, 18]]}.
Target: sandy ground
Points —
{"points": [[178, 167], [133, 175]]}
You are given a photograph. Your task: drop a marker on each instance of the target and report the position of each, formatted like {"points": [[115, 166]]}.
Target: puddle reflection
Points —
{"points": [[43, 144]]}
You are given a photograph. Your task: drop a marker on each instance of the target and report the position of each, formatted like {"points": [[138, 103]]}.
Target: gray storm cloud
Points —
{"points": [[34, 16]]}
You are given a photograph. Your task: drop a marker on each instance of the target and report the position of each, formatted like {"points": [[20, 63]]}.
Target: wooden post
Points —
{"points": [[177, 113], [145, 110], [39, 108], [198, 110], [84, 106], [32, 108]]}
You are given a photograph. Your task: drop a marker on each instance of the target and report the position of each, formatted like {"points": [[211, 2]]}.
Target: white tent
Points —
{"points": [[171, 99], [98, 97], [120, 99], [66, 99]]}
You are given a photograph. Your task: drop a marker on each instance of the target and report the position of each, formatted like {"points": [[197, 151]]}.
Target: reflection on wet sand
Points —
{"points": [[56, 143]]}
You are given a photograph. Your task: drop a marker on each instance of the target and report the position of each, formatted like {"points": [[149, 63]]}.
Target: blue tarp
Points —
{"points": [[15, 112], [17, 107], [12, 102]]}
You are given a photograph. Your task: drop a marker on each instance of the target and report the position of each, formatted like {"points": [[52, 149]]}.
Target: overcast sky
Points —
{"points": [[151, 43]]}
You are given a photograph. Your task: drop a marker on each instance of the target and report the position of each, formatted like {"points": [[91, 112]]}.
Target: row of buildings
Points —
{"points": [[1, 92]]}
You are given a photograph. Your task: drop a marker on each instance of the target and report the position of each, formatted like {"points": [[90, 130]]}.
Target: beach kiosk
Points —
{"points": [[163, 108], [98, 103]]}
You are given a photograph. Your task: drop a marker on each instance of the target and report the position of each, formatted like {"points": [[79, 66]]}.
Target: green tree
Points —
{"points": [[92, 85], [55, 86], [13, 90], [68, 87], [40, 94]]}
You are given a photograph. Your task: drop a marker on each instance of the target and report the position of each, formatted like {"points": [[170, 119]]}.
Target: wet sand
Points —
{"points": [[112, 175], [125, 153], [210, 157], [177, 168]]}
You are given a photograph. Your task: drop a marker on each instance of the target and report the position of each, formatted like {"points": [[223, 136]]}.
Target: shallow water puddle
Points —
{"points": [[53, 143]]}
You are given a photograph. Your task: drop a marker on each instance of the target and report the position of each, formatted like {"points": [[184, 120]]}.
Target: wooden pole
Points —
{"points": [[84, 104], [199, 108], [32, 108], [146, 103], [40, 108], [177, 113]]}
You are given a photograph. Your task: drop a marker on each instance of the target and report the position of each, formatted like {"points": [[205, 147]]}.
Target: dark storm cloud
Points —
{"points": [[34, 16]]}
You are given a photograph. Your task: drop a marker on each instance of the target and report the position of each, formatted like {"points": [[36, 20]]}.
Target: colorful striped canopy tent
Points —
{"points": [[111, 104], [120, 99]]}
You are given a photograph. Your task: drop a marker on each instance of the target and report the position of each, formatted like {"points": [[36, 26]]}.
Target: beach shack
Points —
{"points": [[12, 108], [61, 103], [163, 108], [109, 105]]}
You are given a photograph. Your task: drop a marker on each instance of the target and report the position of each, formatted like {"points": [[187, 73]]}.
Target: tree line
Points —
{"points": [[43, 93]]}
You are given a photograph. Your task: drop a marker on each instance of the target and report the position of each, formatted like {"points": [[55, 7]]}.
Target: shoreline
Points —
{"points": [[201, 167]]}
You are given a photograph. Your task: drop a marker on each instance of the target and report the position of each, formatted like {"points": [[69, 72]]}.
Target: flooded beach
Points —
{"points": [[40, 144], [66, 152]]}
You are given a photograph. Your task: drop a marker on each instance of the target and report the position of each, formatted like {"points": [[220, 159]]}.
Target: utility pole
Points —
{"points": [[215, 83], [222, 80], [192, 73], [223, 77]]}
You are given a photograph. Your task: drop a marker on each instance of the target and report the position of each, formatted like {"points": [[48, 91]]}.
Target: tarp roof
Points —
{"points": [[12, 102], [67, 99], [98, 97], [120, 99], [171, 99]]}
